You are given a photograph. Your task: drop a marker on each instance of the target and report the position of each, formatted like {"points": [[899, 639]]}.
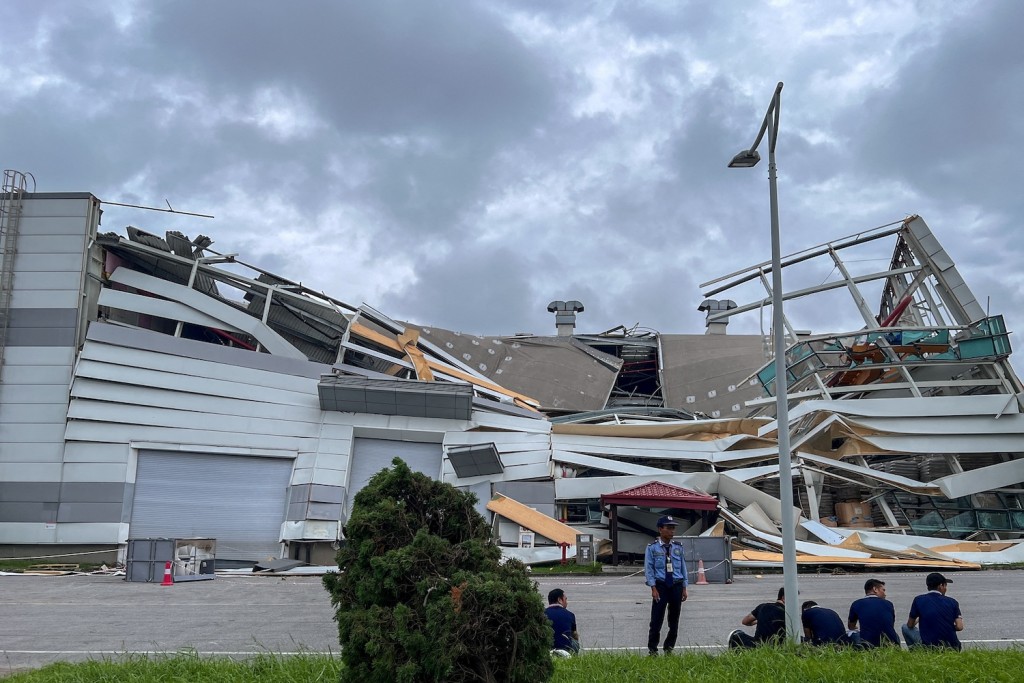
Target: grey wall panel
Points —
{"points": [[89, 512], [370, 456], [238, 500], [92, 492], [129, 497], [43, 317], [539, 495], [55, 298], [33, 413], [38, 356], [32, 452], [28, 512], [326, 494], [47, 262], [31, 433], [80, 451], [324, 511], [42, 336], [38, 374], [51, 244], [23, 491], [48, 281], [482, 491], [33, 393]]}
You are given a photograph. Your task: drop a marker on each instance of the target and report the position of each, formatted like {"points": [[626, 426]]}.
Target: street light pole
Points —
{"points": [[747, 159]]}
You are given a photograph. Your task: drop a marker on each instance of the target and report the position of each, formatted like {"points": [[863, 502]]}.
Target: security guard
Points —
{"points": [[665, 571]]}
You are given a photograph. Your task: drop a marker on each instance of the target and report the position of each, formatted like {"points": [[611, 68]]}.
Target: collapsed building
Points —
{"points": [[154, 387]]}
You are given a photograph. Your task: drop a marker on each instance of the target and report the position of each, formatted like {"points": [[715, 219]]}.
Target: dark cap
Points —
{"points": [[934, 580], [666, 521]]}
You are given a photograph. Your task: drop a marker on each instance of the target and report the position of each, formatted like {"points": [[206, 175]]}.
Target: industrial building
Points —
{"points": [[152, 386]]}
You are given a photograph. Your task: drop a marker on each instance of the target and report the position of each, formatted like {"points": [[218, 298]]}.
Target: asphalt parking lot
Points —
{"points": [[71, 618]]}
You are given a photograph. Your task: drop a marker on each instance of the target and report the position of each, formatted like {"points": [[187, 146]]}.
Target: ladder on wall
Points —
{"points": [[15, 185]]}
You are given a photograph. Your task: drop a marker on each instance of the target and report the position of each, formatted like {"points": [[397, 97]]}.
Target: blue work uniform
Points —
{"points": [[665, 568]]}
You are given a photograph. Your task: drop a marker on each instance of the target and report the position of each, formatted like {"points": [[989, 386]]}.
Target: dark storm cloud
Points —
{"points": [[461, 164]]}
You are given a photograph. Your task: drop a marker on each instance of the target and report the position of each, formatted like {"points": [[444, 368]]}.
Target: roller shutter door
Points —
{"points": [[370, 456], [240, 501]]}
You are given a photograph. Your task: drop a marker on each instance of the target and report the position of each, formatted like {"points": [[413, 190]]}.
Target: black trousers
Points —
{"points": [[672, 601]]}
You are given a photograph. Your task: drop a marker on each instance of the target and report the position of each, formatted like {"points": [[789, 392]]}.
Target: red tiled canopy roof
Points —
{"points": [[658, 494]]}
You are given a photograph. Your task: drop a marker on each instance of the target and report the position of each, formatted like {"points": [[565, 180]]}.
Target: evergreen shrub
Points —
{"points": [[421, 594]]}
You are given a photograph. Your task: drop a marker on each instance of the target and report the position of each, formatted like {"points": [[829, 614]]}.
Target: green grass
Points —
{"points": [[763, 665]]}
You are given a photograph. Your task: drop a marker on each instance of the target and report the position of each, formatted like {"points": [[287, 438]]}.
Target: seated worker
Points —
{"points": [[938, 614], [875, 616], [563, 622], [822, 626], [770, 620]]}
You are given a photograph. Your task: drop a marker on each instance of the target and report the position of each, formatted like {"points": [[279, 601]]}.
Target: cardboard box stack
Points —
{"points": [[854, 514]]}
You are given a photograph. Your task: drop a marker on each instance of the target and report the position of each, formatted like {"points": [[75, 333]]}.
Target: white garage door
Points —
{"points": [[370, 456], [240, 501]]}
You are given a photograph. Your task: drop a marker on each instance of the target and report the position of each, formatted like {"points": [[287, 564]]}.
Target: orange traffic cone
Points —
{"points": [[168, 577], [701, 579]]}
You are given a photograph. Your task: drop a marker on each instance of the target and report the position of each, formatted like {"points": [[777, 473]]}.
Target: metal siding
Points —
{"points": [[370, 456], [240, 501]]}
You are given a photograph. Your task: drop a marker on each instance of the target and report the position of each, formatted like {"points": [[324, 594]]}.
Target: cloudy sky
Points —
{"points": [[461, 163]]}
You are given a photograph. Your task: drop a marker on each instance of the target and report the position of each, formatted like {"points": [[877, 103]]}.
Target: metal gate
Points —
{"points": [[238, 500]]}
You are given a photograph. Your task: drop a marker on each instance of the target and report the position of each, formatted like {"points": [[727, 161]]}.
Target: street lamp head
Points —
{"points": [[745, 159]]}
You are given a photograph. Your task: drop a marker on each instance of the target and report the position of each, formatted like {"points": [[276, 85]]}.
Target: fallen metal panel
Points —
{"points": [[529, 518], [904, 483], [982, 479], [804, 547], [593, 487], [172, 310], [605, 464], [271, 340]]}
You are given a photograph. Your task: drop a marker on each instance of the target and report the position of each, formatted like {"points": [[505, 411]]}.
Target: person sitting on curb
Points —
{"points": [[875, 616], [563, 623], [939, 617], [822, 626], [770, 621]]}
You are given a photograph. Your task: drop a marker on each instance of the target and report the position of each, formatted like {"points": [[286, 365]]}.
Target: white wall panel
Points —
{"points": [[51, 244], [80, 430], [70, 223], [91, 532], [111, 392], [144, 415], [139, 358], [47, 262], [39, 208], [28, 532]]}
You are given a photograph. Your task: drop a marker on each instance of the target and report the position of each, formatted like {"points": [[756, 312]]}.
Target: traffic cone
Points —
{"points": [[701, 579], [168, 577]]}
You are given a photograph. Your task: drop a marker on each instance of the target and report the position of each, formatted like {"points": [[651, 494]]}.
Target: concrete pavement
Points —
{"points": [[71, 618]]}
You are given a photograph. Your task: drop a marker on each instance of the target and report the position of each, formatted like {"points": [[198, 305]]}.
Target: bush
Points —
{"points": [[421, 594]]}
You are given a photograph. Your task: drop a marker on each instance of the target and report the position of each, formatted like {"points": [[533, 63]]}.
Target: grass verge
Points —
{"points": [[764, 664]]}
